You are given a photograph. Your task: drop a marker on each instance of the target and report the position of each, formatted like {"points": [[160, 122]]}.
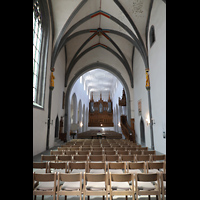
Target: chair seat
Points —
{"points": [[71, 186], [145, 185], [58, 170], [95, 186], [39, 171], [152, 171], [45, 186], [97, 171], [134, 171], [120, 185], [116, 171], [75, 171]]}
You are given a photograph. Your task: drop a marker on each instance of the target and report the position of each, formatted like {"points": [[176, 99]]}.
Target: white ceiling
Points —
{"points": [[122, 18], [100, 81]]}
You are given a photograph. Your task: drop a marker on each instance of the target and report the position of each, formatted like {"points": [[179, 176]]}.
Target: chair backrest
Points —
{"points": [[70, 178], [134, 165], [83, 152], [58, 165], [56, 152], [134, 152], [96, 158], [112, 158], [80, 158], [146, 152], [122, 152], [41, 165], [119, 165], [64, 158], [147, 177], [63, 148], [45, 178], [94, 152], [66, 152], [48, 157], [121, 177], [143, 158], [80, 165], [158, 157], [95, 177], [129, 158], [108, 152], [156, 165], [92, 165]]}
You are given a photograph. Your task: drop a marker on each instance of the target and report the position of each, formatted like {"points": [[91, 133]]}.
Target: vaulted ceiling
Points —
{"points": [[100, 31]]}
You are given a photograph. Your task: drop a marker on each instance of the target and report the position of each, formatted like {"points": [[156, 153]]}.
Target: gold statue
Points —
{"points": [[147, 79], [52, 79]]}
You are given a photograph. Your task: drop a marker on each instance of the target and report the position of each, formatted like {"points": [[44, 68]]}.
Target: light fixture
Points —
{"points": [[81, 124], [148, 120], [119, 124]]}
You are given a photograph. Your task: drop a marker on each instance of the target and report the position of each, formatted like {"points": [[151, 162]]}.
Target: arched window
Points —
{"points": [[152, 37], [40, 48], [37, 41]]}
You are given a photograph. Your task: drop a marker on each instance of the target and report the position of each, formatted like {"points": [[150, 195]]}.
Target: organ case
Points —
{"points": [[100, 113]]}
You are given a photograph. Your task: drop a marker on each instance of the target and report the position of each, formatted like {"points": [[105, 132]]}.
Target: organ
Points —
{"points": [[100, 113]]}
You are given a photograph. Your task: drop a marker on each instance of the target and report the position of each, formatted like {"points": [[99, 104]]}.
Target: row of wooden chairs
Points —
{"points": [[99, 148], [97, 184], [100, 152], [100, 142], [103, 158], [92, 167]]}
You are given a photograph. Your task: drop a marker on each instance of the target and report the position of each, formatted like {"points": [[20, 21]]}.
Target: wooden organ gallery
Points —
{"points": [[100, 113]]}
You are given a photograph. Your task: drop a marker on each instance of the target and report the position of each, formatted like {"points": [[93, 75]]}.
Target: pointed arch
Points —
{"points": [[85, 69]]}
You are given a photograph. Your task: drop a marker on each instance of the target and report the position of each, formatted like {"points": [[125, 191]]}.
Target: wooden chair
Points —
{"points": [[57, 167], [56, 152], [40, 167], [97, 168], [95, 184], [108, 152], [117, 168], [46, 184], [112, 158], [146, 152], [139, 158], [134, 168], [129, 158], [77, 167], [119, 185], [134, 152], [96, 158], [96, 148], [63, 148], [156, 167], [72, 185], [158, 158], [83, 152], [48, 158], [163, 184], [94, 152], [65, 152], [144, 185], [80, 158], [122, 152], [64, 158]]}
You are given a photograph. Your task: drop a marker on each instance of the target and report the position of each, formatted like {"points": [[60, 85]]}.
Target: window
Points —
{"points": [[152, 38], [37, 42]]}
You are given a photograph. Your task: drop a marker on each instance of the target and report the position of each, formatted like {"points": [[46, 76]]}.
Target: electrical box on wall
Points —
{"points": [[164, 134]]}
